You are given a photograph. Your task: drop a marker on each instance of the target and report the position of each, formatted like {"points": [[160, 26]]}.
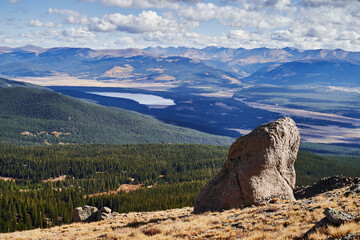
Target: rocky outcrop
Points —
{"points": [[260, 166], [92, 214], [324, 185]]}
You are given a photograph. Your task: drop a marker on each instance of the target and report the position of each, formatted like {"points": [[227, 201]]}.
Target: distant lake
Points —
{"points": [[146, 99]]}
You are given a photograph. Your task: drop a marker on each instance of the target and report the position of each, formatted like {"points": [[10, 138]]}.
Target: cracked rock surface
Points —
{"points": [[259, 167]]}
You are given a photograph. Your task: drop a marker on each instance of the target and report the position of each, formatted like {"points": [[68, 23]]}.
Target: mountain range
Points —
{"points": [[220, 91]]}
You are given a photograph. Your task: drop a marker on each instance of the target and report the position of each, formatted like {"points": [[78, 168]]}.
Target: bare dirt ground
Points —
{"points": [[7, 179], [61, 178], [123, 187], [67, 80]]}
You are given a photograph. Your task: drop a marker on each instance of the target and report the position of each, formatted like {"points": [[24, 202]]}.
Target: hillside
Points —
{"points": [[322, 72], [44, 183], [31, 116], [276, 220]]}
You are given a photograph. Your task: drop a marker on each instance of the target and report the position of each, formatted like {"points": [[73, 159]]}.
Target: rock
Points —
{"points": [[91, 214], [355, 189], [259, 167], [324, 185], [84, 214], [105, 210], [115, 214], [351, 236], [336, 217], [104, 213], [332, 217]]}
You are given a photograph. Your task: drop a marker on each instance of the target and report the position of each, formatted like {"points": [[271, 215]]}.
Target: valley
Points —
{"points": [[213, 90]]}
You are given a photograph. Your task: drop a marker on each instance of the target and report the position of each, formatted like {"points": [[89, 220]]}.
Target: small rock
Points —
{"points": [[274, 200], [104, 213], [336, 217], [115, 214], [105, 210], [351, 236], [355, 189], [238, 226], [233, 217], [332, 217]]}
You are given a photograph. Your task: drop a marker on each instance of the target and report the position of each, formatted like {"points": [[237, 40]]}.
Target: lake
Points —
{"points": [[146, 99]]}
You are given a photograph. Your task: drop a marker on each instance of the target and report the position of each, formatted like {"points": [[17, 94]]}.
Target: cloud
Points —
{"points": [[146, 3], [259, 4], [125, 42], [91, 1], [72, 37], [187, 39], [146, 21], [72, 17], [38, 23], [78, 33], [328, 3], [233, 16], [237, 23]]}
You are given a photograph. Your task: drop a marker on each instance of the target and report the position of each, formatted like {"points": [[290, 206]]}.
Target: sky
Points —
{"points": [[100, 24]]}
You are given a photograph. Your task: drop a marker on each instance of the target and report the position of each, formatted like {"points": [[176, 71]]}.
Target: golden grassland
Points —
{"points": [[277, 219]]}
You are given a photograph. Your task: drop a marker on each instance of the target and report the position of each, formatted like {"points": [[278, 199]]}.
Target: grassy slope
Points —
{"points": [[26, 109], [279, 220]]}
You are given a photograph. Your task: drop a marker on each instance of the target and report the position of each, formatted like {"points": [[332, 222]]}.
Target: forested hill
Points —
{"points": [[32, 116]]}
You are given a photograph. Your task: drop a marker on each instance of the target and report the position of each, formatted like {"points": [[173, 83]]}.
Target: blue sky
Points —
{"points": [[98, 24]]}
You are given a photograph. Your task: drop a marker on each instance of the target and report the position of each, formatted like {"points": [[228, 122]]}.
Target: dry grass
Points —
{"points": [[277, 220], [337, 232]]}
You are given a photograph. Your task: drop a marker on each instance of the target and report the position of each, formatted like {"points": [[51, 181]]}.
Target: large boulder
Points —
{"points": [[85, 214], [259, 167]]}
